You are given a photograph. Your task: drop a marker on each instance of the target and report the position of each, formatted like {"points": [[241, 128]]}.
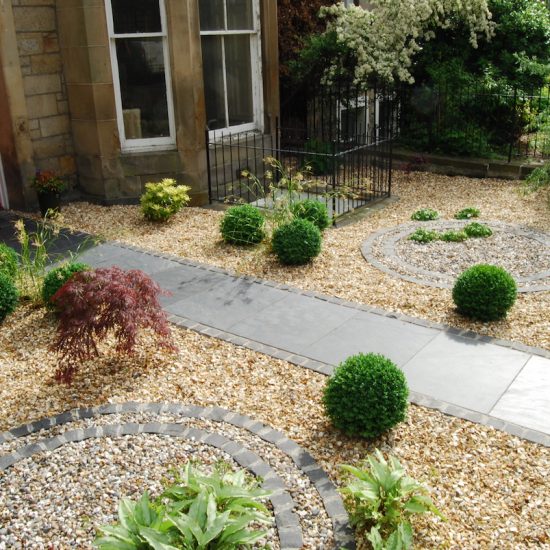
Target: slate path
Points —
{"points": [[499, 383]]}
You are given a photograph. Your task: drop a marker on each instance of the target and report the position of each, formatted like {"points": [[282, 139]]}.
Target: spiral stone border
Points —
{"points": [[288, 525], [389, 251]]}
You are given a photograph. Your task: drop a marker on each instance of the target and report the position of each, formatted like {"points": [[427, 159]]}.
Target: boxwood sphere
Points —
{"points": [[314, 211], [366, 395], [57, 277], [297, 242], [9, 296], [243, 225], [8, 261], [484, 292]]}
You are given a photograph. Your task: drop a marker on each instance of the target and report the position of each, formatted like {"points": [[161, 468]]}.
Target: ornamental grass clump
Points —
{"points": [[99, 302], [478, 230], [314, 211], [425, 214], [8, 261], [243, 225], [297, 242], [164, 199], [381, 500], [57, 277], [9, 296], [366, 396], [485, 292]]}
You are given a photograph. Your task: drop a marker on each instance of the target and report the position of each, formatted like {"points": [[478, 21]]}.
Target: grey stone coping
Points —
{"points": [[288, 525], [422, 276]]}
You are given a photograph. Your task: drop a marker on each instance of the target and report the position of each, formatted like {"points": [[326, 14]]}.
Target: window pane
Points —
{"points": [[143, 87], [134, 16], [239, 14], [239, 79], [211, 15], [214, 94]]}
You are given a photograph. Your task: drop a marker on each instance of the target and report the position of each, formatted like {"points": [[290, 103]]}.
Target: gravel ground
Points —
{"points": [[493, 488], [341, 270]]}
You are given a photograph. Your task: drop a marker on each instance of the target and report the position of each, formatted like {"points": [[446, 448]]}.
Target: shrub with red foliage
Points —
{"points": [[94, 303]]}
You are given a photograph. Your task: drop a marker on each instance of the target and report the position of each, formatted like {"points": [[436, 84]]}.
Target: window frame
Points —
{"points": [[255, 34], [142, 144]]}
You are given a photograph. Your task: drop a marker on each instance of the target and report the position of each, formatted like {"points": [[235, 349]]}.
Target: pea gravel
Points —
{"points": [[493, 488]]}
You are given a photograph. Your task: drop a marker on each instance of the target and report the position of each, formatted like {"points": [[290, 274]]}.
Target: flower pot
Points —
{"points": [[49, 200]]}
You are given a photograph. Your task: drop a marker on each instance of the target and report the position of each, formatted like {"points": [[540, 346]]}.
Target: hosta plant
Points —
{"points": [[99, 302], [381, 500], [467, 213], [199, 511], [424, 236], [425, 214], [164, 199]]}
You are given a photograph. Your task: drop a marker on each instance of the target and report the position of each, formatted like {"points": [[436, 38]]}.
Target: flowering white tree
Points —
{"points": [[384, 39]]}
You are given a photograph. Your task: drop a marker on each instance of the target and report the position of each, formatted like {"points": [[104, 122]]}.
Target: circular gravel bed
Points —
{"points": [[61, 478], [525, 253]]}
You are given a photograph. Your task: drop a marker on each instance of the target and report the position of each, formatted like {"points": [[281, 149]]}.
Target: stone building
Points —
{"points": [[111, 94]]}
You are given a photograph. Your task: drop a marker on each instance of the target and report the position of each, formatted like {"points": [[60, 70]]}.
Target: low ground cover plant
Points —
{"points": [[467, 213], [425, 214], [382, 499], [243, 225], [484, 292], [313, 211], [297, 242], [478, 230], [8, 261], [424, 235], [57, 277], [163, 199], [366, 395], [9, 296], [97, 302], [199, 511], [453, 236]]}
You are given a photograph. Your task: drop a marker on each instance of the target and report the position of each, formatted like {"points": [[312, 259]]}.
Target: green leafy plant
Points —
{"points": [[467, 213], [366, 395], [163, 199], [243, 225], [9, 296], [45, 181], [57, 277], [9, 263], [199, 511], [424, 236], [425, 214], [312, 210], [382, 499], [297, 242], [538, 179], [453, 236], [320, 159], [478, 230], [484, 292]]}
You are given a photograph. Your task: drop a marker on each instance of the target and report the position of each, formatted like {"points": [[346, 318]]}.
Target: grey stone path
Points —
{"points": [[494, 382]]}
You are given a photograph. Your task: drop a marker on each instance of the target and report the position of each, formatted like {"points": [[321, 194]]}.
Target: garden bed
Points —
{"points": [[341, 270], [493, 488]]}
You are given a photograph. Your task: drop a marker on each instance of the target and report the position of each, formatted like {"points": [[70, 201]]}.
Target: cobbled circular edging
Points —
{"points": [[389, 237], [288, 525]]}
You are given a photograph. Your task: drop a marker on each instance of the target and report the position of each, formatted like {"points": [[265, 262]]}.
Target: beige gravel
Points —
{"points": [[341, 270], [494, 488]]}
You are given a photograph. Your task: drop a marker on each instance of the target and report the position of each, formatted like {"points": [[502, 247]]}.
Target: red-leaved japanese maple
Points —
{"points": [[94, 303]]}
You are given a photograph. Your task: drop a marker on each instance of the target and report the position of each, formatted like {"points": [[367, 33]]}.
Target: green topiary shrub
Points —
{"points": [[57, 277], [243, 225], [9, 263], [164, 199], [8, 296], [366, 395], [484, 292], [297, 242], [424, 236], [477, 230], [312, 210], [467, 213], [453, 236], [425, 214]]}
